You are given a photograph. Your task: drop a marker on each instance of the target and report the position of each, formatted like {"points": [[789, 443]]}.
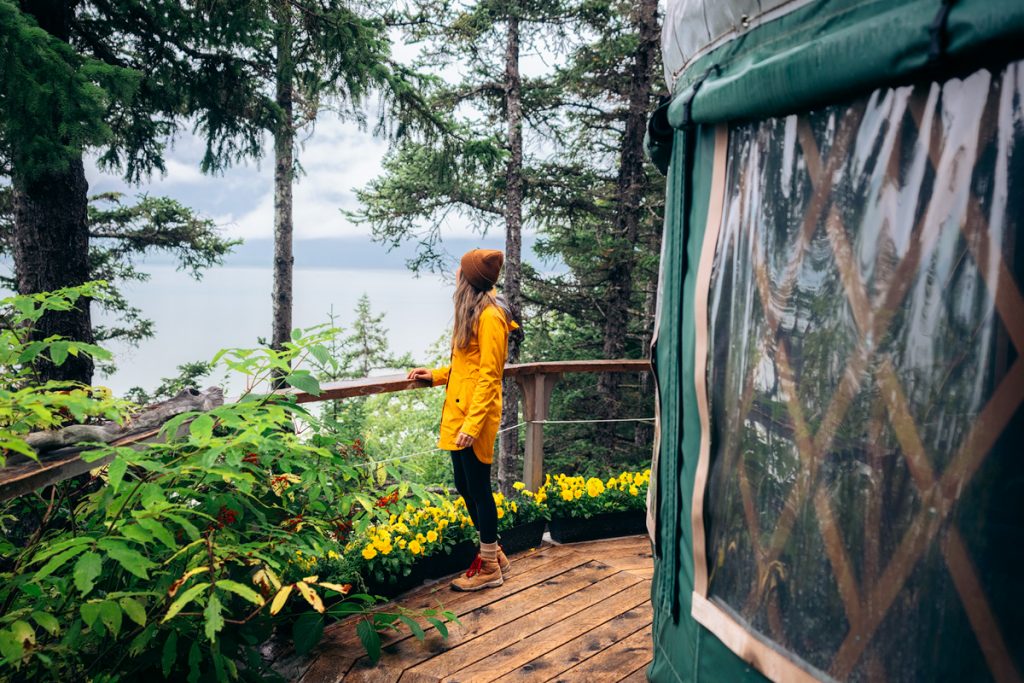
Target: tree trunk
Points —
{"points": [[509, 444], [643, 432], [51, 230], [284, 150], [630, 189]]}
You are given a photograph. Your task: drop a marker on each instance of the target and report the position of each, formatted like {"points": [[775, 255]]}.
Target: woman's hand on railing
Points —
{"points": [[421, 373]]}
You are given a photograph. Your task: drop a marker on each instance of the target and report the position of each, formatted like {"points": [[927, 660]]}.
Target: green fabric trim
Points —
{"points": [[833, 51], [683, 651]]}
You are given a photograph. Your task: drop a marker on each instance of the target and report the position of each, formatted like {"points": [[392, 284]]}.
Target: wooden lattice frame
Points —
{"points": [[865, 608]]}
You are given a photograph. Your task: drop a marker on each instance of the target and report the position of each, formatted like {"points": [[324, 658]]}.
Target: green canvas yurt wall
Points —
{"points": [[838, 354]]}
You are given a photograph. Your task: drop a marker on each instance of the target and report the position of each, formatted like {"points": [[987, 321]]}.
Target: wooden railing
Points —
{"points": [[536, 380]]}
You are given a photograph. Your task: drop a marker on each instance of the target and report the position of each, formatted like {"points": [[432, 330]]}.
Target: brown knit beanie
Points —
{"points": [[481, 267]]}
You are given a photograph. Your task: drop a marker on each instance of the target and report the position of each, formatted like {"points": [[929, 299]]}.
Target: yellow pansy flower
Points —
{"points": [[633, 491], [501, 512], [519, 486], [369, 552], [432, 536], [415, 548]]}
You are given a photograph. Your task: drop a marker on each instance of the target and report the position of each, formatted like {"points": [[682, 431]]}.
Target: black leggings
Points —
{"points": [[473, 482]]}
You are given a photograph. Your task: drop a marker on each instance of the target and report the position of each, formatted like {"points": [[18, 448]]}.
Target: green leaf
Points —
{"points": [[132, 560], [195, 657], [11, 648], [90, 612], [321, 354], [31, 350], [59, 352], [189, 528], [201, 428], [88, 567], [170, 653], [439, 625], [134, 609], [304, 381], [110, 615], [370, 639], [31, 590], [384, 619], [23, 631], [414, 627], [159, 532], [214, 619], [183, 599], [141, 641], [307, 631], [242, 590], [57, 561], [136, 533], [115, 472], [47, 621]]}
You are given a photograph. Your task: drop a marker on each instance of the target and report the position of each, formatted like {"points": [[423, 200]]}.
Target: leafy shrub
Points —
{"points": [[176, 558]]}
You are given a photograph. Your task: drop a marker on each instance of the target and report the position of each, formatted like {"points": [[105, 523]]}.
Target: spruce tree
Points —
{"points": [[477, 172], [117, 78]]}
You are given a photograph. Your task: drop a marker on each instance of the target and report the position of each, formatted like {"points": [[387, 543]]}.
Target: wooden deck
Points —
{"points": [[578, 612]]}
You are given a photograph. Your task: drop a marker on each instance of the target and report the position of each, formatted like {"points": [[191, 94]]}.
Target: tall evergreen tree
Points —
{"points": [[476, 173], [307, 56], [121, 233], [94, 74], [599, 208]]}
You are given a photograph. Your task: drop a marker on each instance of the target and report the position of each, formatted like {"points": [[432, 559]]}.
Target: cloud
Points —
{"points": [[337, 157]]}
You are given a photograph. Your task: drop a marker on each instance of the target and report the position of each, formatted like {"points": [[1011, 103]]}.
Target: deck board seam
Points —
{"points": [[498, 626], [555, 646], [644, 624], [473, 663], [404, 638]]}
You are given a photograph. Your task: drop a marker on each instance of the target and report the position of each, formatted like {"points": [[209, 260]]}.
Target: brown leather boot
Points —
{"points": [[506, 566], [481, 574]]}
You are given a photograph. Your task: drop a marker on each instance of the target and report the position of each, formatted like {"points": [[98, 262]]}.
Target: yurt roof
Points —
{"points": [[736, 59]]}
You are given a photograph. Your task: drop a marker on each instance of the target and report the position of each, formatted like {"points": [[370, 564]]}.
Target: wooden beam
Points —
{"points": [[536, 391], [368, 386]]}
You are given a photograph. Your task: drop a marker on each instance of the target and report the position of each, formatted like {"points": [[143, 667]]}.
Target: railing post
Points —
{"points": [[536, 390]]}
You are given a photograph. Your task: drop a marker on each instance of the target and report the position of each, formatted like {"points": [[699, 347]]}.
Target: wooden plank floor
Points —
{"points": [[578, 612]]}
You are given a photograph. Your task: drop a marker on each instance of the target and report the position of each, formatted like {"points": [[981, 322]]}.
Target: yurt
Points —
{"points": [[839, 469]]}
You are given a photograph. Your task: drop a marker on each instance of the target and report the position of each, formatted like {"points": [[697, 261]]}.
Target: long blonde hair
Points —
{"points": [[470, 302]]}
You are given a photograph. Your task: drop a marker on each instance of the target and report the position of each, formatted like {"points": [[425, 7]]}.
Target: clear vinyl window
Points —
{"points": [[865, 500]]}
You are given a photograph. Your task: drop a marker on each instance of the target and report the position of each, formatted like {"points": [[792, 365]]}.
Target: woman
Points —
{"points": [[472, 404]]}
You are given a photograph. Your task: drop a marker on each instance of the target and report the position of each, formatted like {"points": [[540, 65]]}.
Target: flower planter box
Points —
{"points": [[522, 537], [605, 525], [393, 585], [457, 559]]}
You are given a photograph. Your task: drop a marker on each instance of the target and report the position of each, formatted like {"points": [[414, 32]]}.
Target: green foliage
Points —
{"points": [[120, 235], [364, 350], [27, 405], [176, 559], [54, 99]]}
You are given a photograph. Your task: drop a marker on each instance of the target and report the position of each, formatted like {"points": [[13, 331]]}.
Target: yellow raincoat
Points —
{"points": [[472, 401]]}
